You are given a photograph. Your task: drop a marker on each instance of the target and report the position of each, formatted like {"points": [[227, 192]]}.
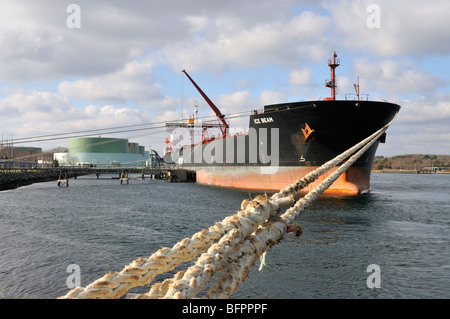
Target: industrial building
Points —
{"points": [[99, 151]]}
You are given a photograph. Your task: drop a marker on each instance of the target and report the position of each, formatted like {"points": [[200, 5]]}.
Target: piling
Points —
{"points": [[124, 177], [62, 179]]}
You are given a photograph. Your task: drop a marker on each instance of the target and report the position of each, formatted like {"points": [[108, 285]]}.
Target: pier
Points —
{"points": [[12, 178], [169, 174]]}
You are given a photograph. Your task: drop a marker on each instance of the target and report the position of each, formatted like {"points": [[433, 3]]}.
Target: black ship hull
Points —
{"points": [[287, 141]]}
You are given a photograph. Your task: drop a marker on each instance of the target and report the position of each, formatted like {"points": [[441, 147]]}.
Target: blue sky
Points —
{"points": [[123, 65]]}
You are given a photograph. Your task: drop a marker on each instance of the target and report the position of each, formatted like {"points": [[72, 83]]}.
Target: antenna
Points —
{"points": [[357, 87], [195, 112]]}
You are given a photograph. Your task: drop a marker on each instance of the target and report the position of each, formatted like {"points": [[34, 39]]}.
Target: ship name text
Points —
{"points": [[264, 120]]}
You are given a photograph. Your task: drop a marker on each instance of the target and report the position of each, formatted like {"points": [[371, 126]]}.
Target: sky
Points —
{"points": [[101, 65]]}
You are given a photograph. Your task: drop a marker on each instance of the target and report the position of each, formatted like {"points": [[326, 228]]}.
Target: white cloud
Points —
{"points": [[37, 45], [35, 113], [302, 76], [241, 103], [197, 23], [268, 97], [425, 110], [422, 126], [279, 41], [396, 77], [406, 27], [133, 82]]}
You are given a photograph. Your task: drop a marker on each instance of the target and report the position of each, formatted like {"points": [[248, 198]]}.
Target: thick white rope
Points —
{"points": [[312, 176], [272, 233], [228, 241], [142, 271], [210, 263]]}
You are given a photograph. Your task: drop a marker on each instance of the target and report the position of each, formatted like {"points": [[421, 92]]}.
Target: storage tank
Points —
{"points": [[98, 145], [133, 148]]}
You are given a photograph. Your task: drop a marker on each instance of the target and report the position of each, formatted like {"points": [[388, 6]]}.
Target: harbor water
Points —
{"points": [[402, 227]]}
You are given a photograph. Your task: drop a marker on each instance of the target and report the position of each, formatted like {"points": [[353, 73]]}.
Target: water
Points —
{"points": [[402, 226]]}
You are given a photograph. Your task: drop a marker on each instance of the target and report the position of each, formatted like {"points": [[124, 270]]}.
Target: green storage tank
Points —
{"points": [[133, 148], [98, 145]]}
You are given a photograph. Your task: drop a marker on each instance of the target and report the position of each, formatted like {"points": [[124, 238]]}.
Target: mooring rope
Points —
{"points": [[231, 246]]}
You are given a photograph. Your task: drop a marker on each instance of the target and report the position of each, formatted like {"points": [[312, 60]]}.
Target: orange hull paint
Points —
{"points": [[355, 181]]}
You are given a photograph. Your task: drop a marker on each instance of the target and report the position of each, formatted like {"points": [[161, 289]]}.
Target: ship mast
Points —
{"points": [[333, 64], [224, 127]]}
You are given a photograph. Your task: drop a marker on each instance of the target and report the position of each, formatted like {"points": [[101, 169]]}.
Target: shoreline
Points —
{"points": [[409, 171]]}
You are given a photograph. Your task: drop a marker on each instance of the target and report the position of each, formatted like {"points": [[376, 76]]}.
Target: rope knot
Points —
{"points": [[295, 228]]}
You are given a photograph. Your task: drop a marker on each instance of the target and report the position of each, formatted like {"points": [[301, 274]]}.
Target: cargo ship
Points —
{"points": [[283, 142]]}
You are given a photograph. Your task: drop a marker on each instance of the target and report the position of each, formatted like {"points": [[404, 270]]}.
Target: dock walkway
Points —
{"points": [[17, 177]]}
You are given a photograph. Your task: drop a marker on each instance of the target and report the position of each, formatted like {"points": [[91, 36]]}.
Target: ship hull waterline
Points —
{"points": [[305, 136], [356, 180]]}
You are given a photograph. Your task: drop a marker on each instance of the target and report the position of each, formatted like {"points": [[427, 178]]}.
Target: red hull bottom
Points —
{"points": [[356, 180]]}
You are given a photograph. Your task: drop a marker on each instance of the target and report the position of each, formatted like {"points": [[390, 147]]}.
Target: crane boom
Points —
{"points": [[211, 104]]}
